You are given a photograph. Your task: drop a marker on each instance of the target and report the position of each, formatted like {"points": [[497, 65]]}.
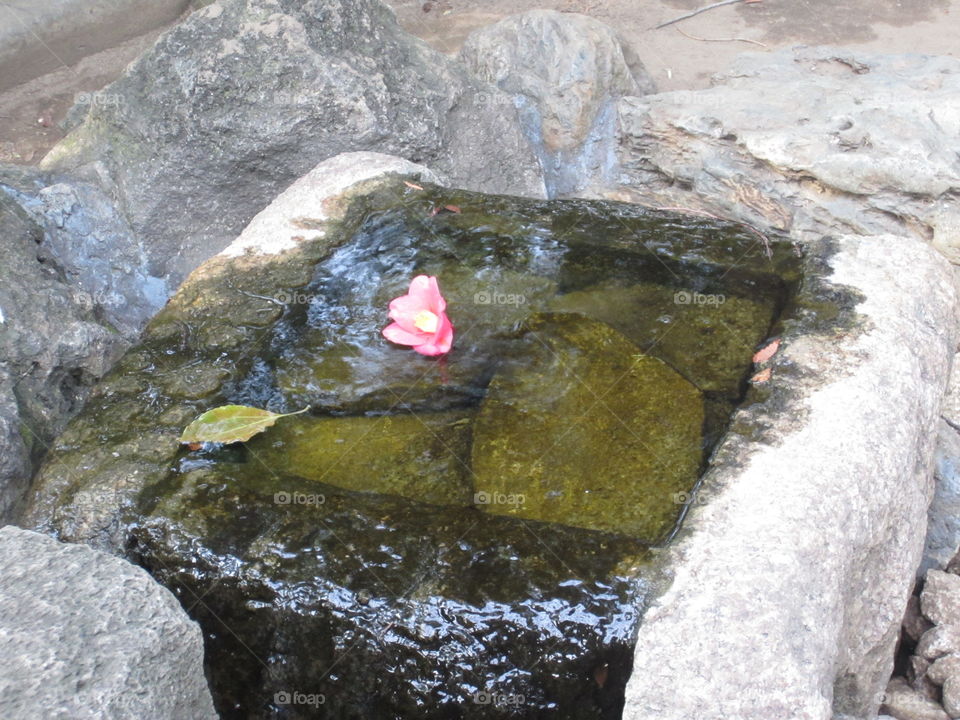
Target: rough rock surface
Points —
{"points": [[565, 72], [244, 96], [85, 635], [52, 350], [905, 703], [748, 557], [940, 600], [811, 141]]}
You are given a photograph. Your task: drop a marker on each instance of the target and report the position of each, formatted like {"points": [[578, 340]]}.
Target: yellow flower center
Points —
{"points": [[426, 321]]}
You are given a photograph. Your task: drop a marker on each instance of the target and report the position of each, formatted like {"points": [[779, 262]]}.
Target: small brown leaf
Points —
{"points": [[452, 208], [761, 356], [412, 185], [762, 376], [194, 446]]}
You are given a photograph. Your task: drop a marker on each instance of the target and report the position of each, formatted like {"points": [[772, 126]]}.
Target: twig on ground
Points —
{"points": [[746, 40], [700, 10]]}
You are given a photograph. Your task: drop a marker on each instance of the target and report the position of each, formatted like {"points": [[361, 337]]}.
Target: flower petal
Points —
{"points": [[441, 342], [426, 292], [395, 333]]}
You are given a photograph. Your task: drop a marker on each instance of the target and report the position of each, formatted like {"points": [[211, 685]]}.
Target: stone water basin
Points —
{"points": [[470, 536]]}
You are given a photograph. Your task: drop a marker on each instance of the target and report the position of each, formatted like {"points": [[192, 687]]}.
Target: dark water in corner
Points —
{"points": [[464, 537]]}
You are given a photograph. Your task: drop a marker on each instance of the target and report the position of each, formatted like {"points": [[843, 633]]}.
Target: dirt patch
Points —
{"points": [[30, 114], [683, 56]]}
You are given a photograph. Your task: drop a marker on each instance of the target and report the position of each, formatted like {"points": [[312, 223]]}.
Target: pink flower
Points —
{"points": [[419, 318]]}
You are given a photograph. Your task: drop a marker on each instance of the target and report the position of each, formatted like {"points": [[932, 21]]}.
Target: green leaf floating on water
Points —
{"points": [[230, 424]]}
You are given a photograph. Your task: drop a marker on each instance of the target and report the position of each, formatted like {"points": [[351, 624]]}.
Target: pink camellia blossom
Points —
{"points": [[419, 319]]}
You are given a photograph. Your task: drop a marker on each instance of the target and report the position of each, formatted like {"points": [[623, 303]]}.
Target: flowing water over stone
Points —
{"points": [[466, 536]]}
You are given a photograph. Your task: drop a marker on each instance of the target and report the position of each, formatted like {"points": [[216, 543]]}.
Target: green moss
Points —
{"points": [[422, 457], [588, 432], [708, 337]]}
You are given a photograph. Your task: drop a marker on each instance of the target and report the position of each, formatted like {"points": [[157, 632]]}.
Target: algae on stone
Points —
{"points": [[589, 432], [707, 337], [422, 457]]}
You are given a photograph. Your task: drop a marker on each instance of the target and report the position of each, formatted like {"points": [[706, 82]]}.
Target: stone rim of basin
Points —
{"points": [[259, 239]]}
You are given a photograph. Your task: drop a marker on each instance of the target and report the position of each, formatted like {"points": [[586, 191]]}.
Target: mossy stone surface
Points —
{"points": [[708, 337], [589, 432], [423, 457]]}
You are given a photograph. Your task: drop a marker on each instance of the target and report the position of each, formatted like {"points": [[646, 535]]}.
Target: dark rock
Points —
{"points": [[914, 623], [242, 97], [52, 350]]}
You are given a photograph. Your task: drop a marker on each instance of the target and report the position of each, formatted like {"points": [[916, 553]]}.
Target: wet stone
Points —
{"points": [[423, 456], [589, 432], [709, 338], [362, 552]]}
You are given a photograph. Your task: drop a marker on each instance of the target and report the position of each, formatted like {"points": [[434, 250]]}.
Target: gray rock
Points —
{"points": [[943, 517], [52, 350], [819, 503], [914, 623], [85, 635], [108, 269], [244, 96], [940, 600], [944, 667], [841, 141], [938, 641], [904, 703], [917, 677], [951, 696], [565, 72]]}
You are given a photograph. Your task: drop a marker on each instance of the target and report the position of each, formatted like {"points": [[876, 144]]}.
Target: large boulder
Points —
{"points": [[85, 635], [793, 572], [53, 348], [807, 140], [244, 96], [565, 72]]}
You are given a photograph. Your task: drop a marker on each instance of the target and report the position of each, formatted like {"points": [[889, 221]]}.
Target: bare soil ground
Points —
{"points": [[679, 57]]}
